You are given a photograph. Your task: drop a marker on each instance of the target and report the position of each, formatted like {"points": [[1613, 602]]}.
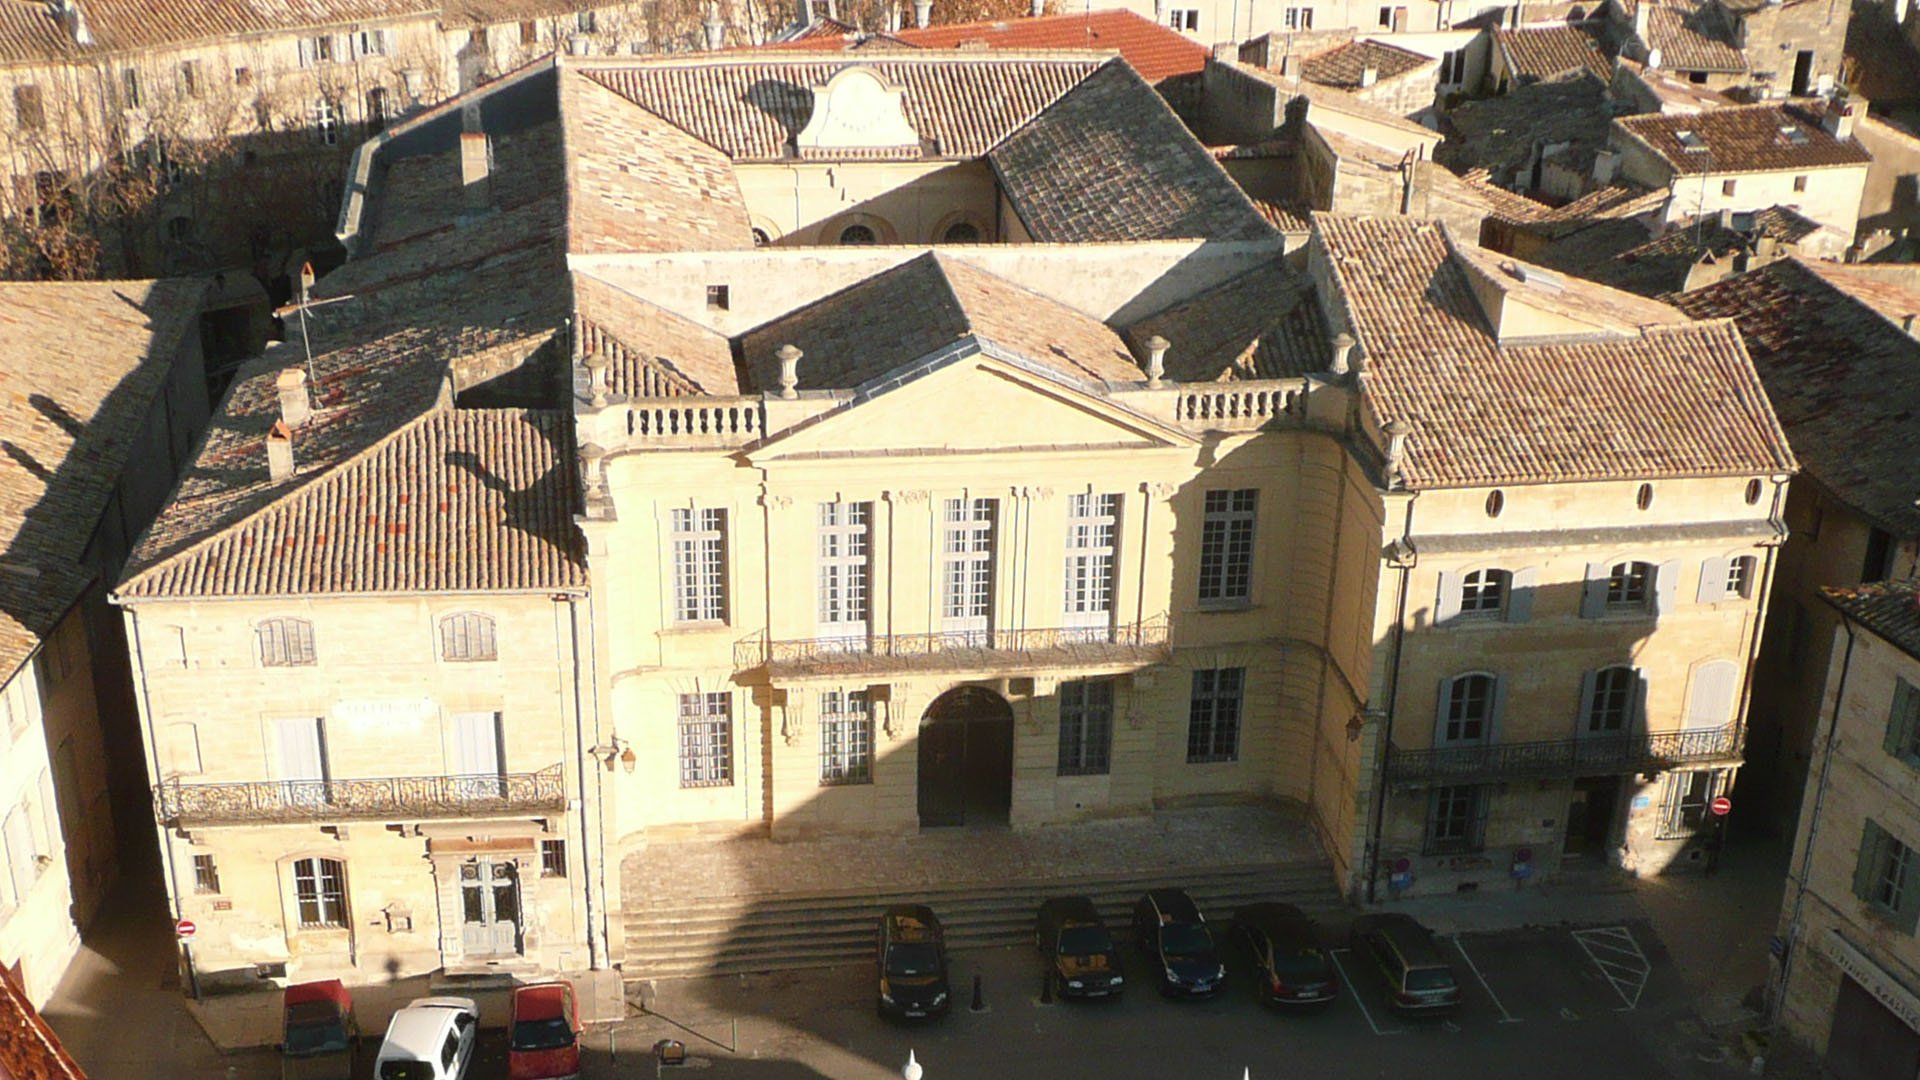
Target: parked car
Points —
{"points": [[543, 1040], [912, 963], [1419, 980], [320, 1034], [1290, 963], [1081, 959], [431, 1039], [1167, 925]]}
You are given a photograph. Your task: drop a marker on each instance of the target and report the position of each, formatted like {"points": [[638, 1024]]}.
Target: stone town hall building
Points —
{"points": [[792, 448]]}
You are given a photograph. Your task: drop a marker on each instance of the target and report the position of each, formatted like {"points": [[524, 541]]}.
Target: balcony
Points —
{"points": [[957, 650], [381, 798], [1564, 758]]}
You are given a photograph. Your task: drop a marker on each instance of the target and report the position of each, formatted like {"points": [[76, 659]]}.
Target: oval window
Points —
{"points": [[1645, 498], [1496, 502], [1753, 492]]}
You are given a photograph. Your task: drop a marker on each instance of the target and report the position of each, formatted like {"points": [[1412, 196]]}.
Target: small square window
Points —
{"points": [[719, 298], [1727, 186], [553, 858], [206, 876], [1799, 183], [529, 33]]}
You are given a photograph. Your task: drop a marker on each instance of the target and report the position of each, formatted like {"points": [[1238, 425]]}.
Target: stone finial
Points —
{"points": [[1342, 349], [592, 457], [1397, 431], [597, 365], [1157, 347], [789, 355]]}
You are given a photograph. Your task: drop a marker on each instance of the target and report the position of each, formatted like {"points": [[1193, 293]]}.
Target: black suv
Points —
{"points": [[1419, 980], [1081, 959], [1290, 964], [1167, 926], [913, 963]]}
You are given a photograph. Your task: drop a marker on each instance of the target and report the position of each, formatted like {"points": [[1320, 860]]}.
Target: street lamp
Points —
{"points": [[912, 1070]]}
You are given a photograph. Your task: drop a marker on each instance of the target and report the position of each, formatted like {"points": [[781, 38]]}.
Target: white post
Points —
{"points": [[912, 1070]]}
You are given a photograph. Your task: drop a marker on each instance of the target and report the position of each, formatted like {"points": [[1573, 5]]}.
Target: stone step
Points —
{"points": [[793, 931]]}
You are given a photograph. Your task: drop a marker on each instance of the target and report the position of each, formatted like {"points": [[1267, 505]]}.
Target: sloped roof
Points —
{"points": [[1693, 36], [85, 362], [920, 306], [1262, 324], [1155, 51], [29, 1050], [1343, 64], [1673, 399], [1063, 174], [1618, 253], [750, 106], [1843, 375], [1501, 133], [461, 500], [1890, 609], [651, 352], [638, 183], [1548, 52], [1745, 138]]}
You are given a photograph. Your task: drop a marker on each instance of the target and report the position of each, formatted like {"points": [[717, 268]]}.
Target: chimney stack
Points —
{"points": [[1039, 8], [1156, 359], [1838, 119], [806, 12], [1342, 346], [789, 355], [1368, 76], [279, 451], [295, 405], [1642, 21], [715, 28], [476, 167], [923, 13]]}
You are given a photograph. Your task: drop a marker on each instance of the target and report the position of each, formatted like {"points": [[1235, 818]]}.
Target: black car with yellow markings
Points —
{"points": [[1168, 926], [1081, 959], [912, 963], [1290, 963]]}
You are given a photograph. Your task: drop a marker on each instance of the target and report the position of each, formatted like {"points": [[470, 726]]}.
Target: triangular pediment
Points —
{"points": [[974, 404]]}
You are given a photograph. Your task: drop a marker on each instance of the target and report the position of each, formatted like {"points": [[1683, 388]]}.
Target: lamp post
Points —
{"points": [[912, 1071]]}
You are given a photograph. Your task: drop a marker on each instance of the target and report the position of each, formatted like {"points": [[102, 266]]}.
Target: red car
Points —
{"points": [[544, 1042], [320, 1033]]}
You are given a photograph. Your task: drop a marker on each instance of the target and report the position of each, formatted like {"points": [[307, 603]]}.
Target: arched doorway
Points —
{"points": [[966, 759]]}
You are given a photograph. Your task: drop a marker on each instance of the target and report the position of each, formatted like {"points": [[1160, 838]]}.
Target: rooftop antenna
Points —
{"points": [[306, 343]]}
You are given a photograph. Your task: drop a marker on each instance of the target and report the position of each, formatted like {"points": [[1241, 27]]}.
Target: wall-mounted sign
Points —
{"points": [[1873, 978]]}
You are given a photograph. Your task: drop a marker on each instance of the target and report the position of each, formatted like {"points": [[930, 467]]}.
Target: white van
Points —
{"points": [[430, 1039]]}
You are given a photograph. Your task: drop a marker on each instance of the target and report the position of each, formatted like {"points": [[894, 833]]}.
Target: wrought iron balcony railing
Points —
{"points": [[1142, 643], [268, 801], [1599, 755]]}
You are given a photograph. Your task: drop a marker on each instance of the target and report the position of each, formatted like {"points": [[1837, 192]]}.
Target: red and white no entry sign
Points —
{"points": [[1722, 806], [184, 929]]}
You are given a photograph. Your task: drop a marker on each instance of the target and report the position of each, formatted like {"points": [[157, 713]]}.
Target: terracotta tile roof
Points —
{"points": [[651, 351], [1342, 65], [1501, 133], [1843, 375], [1110, 161], [1615, 202], [466, 13], [1674, 398], [29, 30], [1617, 252], [638, 183], [921, 306], [1548, 52], [29, 1050], [84, 364], [1262, 324], [1288, 217], [1693, 37], [749, 106], [1672, 92], [1155, 51], [1328, 98], [1890, 609], [462, 500], [1746, 138], [1508, 206]]}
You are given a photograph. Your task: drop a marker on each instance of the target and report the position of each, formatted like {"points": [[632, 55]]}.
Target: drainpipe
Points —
{"points": [[1393, 698], [153, 770], [1765, 585], [594, 962], [1813, 829]]}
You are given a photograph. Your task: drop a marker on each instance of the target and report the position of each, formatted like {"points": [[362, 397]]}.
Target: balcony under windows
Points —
{"points": [[184, 805], [958, 650]]}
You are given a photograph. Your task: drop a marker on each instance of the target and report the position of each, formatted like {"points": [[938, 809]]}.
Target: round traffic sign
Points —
{"points": [[1722, 806], [184, 929]]}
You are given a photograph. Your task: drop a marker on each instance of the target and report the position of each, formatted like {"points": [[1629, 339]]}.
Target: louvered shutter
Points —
{"points": [[1446, 607], [1666, 587], [1593, 593], [1713, 582], [1520, 594]]}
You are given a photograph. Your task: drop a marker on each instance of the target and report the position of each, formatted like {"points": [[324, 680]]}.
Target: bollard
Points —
{"points": [[979, 1002], [1046, 988]]}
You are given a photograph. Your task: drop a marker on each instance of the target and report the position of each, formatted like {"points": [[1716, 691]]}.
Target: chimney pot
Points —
{"points": [[716, 30], [1342, 348], [923, 13], [476, 168], [1039, 8], [279, 451], [1642, 21], [295, 405], [789, 355], [1156, 359]]}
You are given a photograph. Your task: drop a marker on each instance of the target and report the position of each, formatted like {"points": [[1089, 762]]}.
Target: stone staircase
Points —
{"points": [[683, 936]]}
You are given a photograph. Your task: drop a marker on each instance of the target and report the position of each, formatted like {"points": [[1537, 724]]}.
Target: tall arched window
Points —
{"points": [[1467, 705], [1483, 593], [320, 893], [285, 642], [467, 636]]}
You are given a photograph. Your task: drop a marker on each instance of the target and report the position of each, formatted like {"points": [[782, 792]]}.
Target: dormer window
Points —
{"points": [[1690, 140], [1793, 135]]}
